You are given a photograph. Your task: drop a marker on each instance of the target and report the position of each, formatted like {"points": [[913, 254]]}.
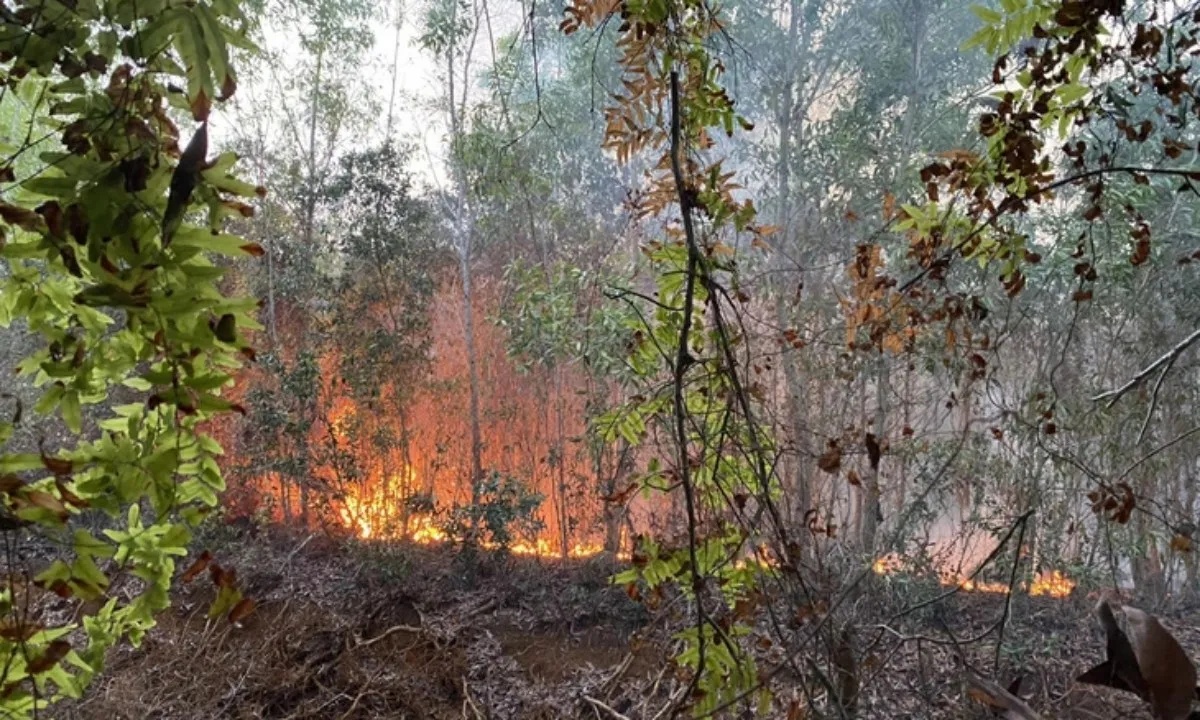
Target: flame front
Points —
{"points": [[376, 519], [1050, 583]]}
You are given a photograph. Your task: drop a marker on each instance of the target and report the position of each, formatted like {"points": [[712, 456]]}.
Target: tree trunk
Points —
{"points": [[872, 512], [472, 369], [395, 72], [564, 515], [310, 201], [465, 230], [798, 480]]}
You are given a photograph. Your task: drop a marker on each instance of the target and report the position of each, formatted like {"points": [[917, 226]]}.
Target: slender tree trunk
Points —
{"points": [[310, 201], [264, 228], [395, 72], [285, 500], [564, 514], [872, 512], [465, 229], [794, 402], [472, 369], [902, 480]]}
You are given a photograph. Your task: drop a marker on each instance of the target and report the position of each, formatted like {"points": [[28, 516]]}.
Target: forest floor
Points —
{"points": [[348, 631]]}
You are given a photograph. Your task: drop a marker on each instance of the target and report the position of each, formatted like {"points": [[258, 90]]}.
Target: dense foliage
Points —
{"points": [[110, 239]]}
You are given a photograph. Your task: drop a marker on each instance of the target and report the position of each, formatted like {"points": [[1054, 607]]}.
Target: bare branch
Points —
{"points": [[1164, 361]]}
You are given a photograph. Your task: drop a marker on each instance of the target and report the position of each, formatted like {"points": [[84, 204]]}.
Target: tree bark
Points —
{"points": [[310, 201], [872, 512], [472, 369], [464, 222], [395, 72], [795, 385]]}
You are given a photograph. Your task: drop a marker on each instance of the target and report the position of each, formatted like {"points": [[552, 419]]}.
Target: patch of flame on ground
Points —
{"points": [[1052, 583], [357, 516]]}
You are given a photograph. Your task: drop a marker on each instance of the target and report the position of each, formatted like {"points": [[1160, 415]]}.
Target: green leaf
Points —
{"points": [[51, 186], [987, 15], [214, 41], [982, 37], [71, 413], [1068, 94], [20, 462], [193, 50], [50, 399], [203, 239]]}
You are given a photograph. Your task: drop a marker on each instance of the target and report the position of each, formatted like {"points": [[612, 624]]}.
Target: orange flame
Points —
{"points": [[374, 519], [1050, 583]]}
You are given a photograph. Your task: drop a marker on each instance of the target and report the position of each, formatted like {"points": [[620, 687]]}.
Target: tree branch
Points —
{"points": [[1164, 361], [684, 360]]}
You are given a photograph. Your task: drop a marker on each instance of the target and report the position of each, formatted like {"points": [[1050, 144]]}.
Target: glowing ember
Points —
{"points": [[1052, 583], [887, 564], [761, 557]]}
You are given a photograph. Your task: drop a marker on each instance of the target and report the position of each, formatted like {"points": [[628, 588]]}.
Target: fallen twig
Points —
{"points": [[358, 698], [611, 682], [671, 700], [604, 707], [468, 702], [390, 631]]}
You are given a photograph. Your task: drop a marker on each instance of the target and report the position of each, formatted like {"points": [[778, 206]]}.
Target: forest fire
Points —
{"points": [[1052, 583], [389, 465]]}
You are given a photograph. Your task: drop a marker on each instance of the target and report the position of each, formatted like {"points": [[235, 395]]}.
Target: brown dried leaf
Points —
{"points": [[239, 612], [19, 216], [984, 698], [68, 496], [201, 106], [873, 450], [18, 632], [58, 466], [197, 567], [46, 501], [1141, 251], [831, 461], [55, 651]]}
